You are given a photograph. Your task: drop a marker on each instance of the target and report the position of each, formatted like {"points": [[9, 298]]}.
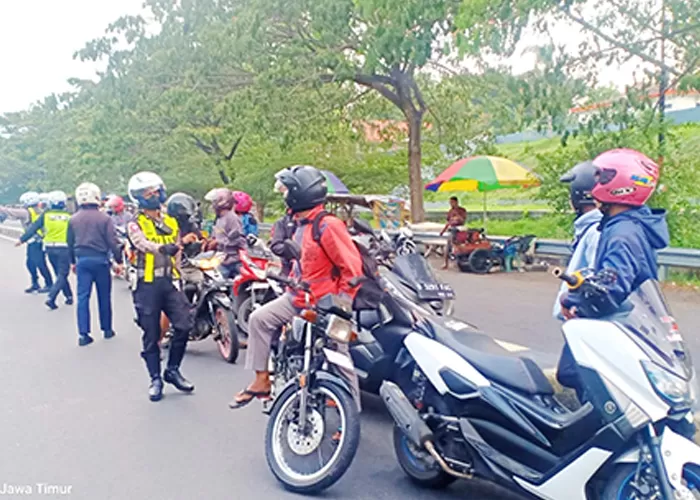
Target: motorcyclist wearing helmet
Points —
{"points": [[581, 180], [183, 208], [156, 237], [53, 223], [328, 266], [631, 232], [36, 258], [244, 204], [91, 241], [228, 230], [116, 209]]}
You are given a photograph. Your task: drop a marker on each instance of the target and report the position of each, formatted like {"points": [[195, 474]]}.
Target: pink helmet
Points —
{"points": [[625, 177], [243, 202], [115, 204]]}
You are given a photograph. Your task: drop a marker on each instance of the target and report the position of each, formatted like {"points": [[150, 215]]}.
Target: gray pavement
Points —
{"points": [[80, 417]]}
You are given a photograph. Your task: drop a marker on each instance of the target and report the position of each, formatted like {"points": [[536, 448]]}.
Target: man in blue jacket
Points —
{"points": [[631, 232]]}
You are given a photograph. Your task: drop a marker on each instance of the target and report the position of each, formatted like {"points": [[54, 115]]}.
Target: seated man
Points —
{"points": [[456, 216]]}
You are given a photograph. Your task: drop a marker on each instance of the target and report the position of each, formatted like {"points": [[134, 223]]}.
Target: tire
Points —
{"points": [[619, 481], [226, 326], [480, 261], [245, 309], [341, 459], [463, 264], [423, 474]]}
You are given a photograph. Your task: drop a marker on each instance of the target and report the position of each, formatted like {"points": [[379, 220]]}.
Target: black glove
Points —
{"points": [[169, 249]]}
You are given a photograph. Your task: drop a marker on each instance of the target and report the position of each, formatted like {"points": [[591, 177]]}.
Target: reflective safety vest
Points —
{"points": [[149, 265], [56, 228], [33, 216]]}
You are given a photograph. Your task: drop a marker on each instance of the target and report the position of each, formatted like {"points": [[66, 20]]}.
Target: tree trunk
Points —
{"points": [[415, 177], [260, 209]]}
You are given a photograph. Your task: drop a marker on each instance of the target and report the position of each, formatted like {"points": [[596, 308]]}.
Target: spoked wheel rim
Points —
{"points": [[631, 491], [244, 312], [224, 341], [318, 443]]}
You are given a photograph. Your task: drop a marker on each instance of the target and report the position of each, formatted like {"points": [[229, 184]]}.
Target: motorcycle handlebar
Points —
{"points": [[567, 278]]}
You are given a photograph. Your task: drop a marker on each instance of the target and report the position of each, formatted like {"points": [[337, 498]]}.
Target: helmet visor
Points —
{"points": [[605, 176]]}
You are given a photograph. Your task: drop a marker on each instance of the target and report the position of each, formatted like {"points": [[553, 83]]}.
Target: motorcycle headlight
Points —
{"points": [[339, 329], [672, 389]]}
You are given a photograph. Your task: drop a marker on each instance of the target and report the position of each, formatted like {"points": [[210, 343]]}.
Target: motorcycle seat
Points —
{"points": [[495, 363]]}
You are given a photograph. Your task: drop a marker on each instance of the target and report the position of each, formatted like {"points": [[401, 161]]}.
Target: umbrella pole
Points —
{"points": [[485, 216]]}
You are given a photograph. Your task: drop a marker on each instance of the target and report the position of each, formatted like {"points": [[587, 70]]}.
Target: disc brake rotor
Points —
{"points": [[305, 443]]}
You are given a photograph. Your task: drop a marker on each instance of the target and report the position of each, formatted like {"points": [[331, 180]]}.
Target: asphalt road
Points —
{"points": [[80, 417]]}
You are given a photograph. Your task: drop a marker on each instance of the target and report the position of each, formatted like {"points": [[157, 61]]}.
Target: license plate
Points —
{"points": [[338, 359]]}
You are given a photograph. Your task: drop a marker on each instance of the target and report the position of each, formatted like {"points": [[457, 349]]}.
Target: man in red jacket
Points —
{"points": [[327, 266]]}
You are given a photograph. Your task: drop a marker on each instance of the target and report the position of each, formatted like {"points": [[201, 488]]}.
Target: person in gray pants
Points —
{"points": [[328, 266]]}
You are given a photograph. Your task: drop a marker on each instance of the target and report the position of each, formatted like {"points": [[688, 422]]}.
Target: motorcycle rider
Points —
{"points": [[327, 266], [116, 209], [228, 231], [283, 230], [631, 232], [581, 180], [244, 203], [53, 223], [183, 208], [91, 240], [36, 259], [156, 237]]}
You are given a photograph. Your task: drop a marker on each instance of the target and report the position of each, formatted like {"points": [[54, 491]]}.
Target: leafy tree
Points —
{"points": [[375, 45]]}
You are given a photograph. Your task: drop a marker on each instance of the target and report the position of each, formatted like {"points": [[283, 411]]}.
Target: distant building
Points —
{"points": [[676, 100]]}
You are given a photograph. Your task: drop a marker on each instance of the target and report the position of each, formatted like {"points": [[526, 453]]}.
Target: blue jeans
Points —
{"points": [[95, 270]]}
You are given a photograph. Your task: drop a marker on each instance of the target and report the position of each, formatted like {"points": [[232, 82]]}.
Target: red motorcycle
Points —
{"points": [[251, 288]]}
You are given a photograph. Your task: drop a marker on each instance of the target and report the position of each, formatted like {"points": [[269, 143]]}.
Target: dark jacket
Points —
{"points": [[282, 230], [628, 245], [91, 234], [228, 232]]}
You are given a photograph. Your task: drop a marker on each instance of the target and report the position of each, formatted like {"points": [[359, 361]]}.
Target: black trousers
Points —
{"points": [[150, 300], [60, 261], [567, 373], [36, 261]]}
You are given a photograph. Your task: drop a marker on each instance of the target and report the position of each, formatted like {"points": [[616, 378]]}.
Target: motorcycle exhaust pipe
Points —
{"points": [[414, 428], [404, 414]]}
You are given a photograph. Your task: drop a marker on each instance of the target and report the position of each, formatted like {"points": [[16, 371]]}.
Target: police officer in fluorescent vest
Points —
{"points": [[36, 259], [156, 237], [53, 224]]}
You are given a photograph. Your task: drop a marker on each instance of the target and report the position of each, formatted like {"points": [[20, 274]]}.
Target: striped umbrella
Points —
{"points": [[483, 174], [335, 185]]}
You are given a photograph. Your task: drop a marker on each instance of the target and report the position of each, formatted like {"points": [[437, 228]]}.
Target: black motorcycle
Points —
{"points": [[407, 270], [209, 295], [314, 428]]}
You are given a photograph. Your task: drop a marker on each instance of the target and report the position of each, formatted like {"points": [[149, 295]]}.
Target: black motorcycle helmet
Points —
{"points": [[183, 208], [305, 187], [581, 180]]}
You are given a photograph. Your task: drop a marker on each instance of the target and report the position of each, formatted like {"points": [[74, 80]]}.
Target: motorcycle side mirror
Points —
{"points": [[362, 226], [292, 249]]}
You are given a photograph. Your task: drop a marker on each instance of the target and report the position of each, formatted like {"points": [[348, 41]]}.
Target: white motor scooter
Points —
{"points": [[461, 412]]}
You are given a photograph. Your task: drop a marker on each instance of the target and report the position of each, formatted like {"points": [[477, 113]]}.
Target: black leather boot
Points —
{"points": [[172, 373], [155, 390]]}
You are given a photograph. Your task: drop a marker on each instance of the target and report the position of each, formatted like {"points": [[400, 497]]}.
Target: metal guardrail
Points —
{"points": [[667, 258]]}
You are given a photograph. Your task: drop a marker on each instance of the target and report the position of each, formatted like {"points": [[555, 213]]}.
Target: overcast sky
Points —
{"points": [[38, 39]]}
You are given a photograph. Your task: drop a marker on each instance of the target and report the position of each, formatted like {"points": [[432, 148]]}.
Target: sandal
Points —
{"points": [[236, 403]]}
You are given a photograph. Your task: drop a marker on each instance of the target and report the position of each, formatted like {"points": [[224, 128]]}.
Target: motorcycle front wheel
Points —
{"points": [[228, 334], [311, 457], [626, 484]]}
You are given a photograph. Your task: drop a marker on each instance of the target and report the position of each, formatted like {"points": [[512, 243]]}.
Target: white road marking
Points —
{"points": [[511, 347]]}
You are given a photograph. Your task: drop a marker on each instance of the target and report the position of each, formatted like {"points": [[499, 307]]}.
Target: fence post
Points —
{"points": [[663, 273]]}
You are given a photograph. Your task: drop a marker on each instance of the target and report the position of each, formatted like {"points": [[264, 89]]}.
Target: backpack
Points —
{"points": [[370, 292]]}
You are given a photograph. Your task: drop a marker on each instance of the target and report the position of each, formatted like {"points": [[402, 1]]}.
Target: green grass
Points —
{"points": [[553, 226]]}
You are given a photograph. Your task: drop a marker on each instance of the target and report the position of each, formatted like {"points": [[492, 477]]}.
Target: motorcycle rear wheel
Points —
{"points": [[245, 309], [278, 441], [419, 466], [226, 328]]}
